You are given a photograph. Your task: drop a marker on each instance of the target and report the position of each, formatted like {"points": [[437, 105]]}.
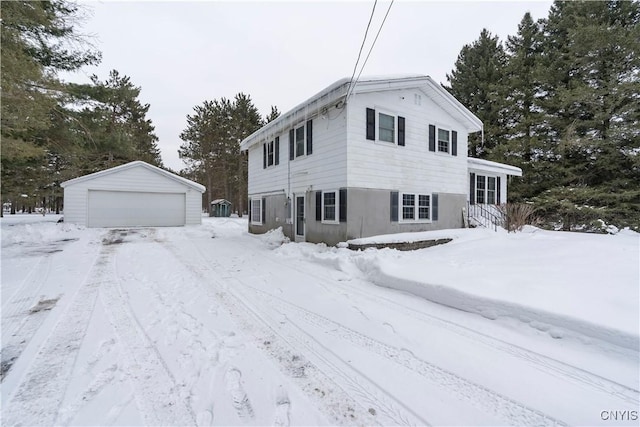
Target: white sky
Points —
{"points": [[279, 53]]}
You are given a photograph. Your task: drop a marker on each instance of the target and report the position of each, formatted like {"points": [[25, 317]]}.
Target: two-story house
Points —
{"points": [[388, 157]]}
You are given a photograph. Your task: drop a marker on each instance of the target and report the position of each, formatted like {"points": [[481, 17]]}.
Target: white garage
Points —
{"points": [[136, 194]]}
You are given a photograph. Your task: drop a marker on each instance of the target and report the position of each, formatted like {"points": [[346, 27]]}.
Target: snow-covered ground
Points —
{"points": [[209, 325]]}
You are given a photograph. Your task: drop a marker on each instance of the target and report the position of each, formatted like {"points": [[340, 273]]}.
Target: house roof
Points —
{"points": [[336, 93], [489, 166], [135, 164]]}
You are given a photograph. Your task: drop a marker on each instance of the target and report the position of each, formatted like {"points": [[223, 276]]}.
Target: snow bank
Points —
{"points": [[20, 231], [557, 282]]}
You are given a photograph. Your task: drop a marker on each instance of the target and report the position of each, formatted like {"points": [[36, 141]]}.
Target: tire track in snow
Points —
{"points": [[544, 363], [19, 323], [157, 396], [37, 398], [507, 409], [358, 385], [318, 385]]}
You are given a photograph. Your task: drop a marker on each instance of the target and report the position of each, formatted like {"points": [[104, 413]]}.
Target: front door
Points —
{"points": [[299, 217]]}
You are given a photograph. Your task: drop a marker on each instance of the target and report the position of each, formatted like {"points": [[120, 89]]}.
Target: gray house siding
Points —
{"points": [[369, 214]]}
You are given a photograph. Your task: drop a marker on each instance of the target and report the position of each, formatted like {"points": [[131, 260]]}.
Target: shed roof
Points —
{"points": [[135, 164], [337, 92], [216, 201]]}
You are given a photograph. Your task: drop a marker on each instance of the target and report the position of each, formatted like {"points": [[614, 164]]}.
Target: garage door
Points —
{"points": [[135, 209]]}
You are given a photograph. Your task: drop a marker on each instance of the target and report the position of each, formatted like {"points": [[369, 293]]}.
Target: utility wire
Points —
{"points": [[371, 49], [355, 66]]}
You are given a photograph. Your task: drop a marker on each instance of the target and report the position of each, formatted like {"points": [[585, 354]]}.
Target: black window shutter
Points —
{"points": [[318, 205], [432, 138], [343, 205], [498, 191], [249, 209], [454, 143], [400, 130], [394, 206], [309, 137], [277, 151], [264, 156], [371, 124], [472, 189], [434, 207], [292, 154], [264, 210]]}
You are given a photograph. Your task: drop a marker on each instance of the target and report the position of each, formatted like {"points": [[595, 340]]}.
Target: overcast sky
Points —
{"points": [[280, 53]]}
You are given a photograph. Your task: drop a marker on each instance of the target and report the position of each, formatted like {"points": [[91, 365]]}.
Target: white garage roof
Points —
{"points": [[137, 163]]}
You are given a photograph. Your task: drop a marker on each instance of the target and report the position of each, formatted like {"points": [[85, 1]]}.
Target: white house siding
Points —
{"points": [[139, 179], [325, 168], [409, 168]]}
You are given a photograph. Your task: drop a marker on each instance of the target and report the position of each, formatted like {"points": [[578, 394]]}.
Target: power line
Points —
{"points": [[371, 49], [355, 66]]}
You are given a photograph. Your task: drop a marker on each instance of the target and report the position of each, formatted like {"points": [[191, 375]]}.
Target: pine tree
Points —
{"points": [[477, 81], [590, 73], [38, 41], [524, 145], [211, 147]]}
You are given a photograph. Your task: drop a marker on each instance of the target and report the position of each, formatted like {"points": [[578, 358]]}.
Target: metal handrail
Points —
{"points": [[480, 214]]}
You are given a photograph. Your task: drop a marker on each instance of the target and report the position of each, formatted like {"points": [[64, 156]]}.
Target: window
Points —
{"points": [[415, 208], [423, 207], [491, 190], [329, 206], [480, 187], [487, 190], [256, 211], [443, 140], [270, 153], [408, 206], [387, 128], [300, 141]]}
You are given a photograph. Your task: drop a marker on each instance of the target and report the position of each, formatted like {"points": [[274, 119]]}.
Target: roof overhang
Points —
{"points": [[335, 95], [493, 167], [130, 165]]}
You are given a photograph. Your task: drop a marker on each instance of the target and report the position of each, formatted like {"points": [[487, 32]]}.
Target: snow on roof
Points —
{"points": [[137, 163], [486, 165], [216, 201], [336, 92]]}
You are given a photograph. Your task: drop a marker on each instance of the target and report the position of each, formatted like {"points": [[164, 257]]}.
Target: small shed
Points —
{"points": [[220, 208], [135, 194]]}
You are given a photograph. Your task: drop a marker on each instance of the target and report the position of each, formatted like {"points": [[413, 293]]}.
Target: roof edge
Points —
{"points": [[201, 188], [489, 165]]}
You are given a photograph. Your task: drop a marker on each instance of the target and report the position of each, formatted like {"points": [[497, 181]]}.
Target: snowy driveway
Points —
{"points": [[211, 326]]}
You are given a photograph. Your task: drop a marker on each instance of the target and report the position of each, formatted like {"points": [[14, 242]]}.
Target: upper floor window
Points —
{"points": [[301, 140], [271, 153], [390, 128], [443, 140], [387, 128]]}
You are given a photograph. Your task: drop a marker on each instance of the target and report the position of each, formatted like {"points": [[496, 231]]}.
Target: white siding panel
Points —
{"points": [[411, 167], [194, 207], [325, 168]]}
